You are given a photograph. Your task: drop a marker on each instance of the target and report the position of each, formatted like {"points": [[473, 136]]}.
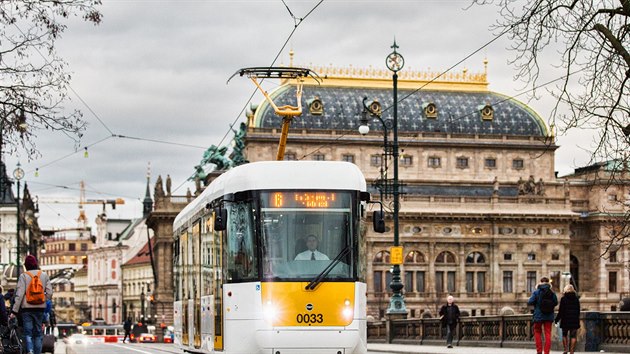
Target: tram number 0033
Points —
{"points": [[309, 318]]}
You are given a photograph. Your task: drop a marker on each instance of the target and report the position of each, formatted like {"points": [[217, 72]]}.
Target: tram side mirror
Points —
{"points": [[364, 196], [378, 219], [220, 219]]}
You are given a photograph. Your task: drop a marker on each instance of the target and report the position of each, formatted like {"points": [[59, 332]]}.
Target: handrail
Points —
{"points": [[607, 331]]}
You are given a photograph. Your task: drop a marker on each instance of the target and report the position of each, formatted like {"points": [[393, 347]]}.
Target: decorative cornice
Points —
{"points": [[407, 79]]}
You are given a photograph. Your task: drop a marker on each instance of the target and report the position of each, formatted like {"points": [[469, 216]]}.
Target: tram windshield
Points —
{"points": [[307, 235]]}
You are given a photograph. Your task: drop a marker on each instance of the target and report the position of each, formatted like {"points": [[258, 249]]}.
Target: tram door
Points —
{"points": [[217, 267], [196, 283], [207, 284], [185, 293]]}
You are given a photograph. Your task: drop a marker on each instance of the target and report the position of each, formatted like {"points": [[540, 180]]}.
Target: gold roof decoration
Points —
{"points": [[370, 77]]}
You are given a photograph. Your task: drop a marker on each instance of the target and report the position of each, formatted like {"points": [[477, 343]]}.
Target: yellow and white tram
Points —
{"points": [[238, 285]]}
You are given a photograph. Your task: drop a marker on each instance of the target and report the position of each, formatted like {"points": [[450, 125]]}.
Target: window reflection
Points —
{"points": [[240, 243], [300, 242]]}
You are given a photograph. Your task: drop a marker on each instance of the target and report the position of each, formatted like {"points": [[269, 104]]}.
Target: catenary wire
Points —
{"points": [[71, 89], [121, 136], [464, 115], [238, 116], [425, 84]]}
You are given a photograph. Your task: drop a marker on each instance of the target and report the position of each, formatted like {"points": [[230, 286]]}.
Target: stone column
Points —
{"points": [[160, 220]]}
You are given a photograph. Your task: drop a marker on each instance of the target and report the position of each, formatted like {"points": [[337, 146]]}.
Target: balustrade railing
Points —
{"points": [[609, 331]]}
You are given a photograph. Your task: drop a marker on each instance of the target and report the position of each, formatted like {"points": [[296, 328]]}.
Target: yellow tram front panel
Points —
{"points": [[290, 304]]}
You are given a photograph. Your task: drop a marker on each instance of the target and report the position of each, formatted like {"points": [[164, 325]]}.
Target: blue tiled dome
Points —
{"points": [[458, 112]]}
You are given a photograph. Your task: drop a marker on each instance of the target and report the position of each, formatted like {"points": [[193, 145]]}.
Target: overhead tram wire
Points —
{"points": [[443, 73], [157, 141], [458, 117], [56, 211], [463, 115], [81, 148], [71, 89], [58, 186], [297, 23], [95, 191], [423, 86], [452, 66], [547, 142]]}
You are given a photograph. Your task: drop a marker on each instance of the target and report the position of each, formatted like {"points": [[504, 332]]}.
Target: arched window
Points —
{"points": [[574, 268], [445, 257], [382, 257], [475, 258], [414, 257]]}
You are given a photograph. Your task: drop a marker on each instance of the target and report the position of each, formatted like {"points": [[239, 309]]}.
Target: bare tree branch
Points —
{"points": [[34, 79], [590, 41]]}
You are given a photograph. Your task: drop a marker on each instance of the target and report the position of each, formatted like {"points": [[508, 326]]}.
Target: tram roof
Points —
{"points": [[277, 175]]}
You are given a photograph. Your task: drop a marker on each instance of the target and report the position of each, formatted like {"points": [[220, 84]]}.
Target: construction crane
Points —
{"points": [[82, 219]]}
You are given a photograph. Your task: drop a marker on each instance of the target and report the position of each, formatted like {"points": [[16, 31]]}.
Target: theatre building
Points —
{"points": [[483, 215]]}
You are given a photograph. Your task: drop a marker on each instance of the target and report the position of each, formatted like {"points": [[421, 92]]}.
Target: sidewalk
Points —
{"points": [[433, 349]]}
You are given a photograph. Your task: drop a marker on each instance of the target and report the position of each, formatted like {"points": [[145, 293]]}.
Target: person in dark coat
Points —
{"points": [[449, 315], [10, 296], [127, 328], [4, 316], [569, 318], [542, 321]]}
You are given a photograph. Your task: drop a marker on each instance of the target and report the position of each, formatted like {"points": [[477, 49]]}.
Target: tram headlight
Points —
{"points": [[270, 311], [347, 309]]}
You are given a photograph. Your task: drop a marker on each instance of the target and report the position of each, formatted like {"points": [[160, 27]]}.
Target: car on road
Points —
{"points": [[146, 338], [77, 338], [169, 334]]}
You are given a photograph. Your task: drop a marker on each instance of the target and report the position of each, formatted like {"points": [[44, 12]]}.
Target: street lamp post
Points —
{"points": [[18, 173], [142, 296], [374, 110], [395, 63]]}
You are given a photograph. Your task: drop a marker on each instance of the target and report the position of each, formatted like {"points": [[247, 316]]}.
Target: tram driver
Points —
{"points": [[311, 254]]}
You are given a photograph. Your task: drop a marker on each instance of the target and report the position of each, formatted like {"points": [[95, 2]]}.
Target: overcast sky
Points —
{"points": [[157, 70]]}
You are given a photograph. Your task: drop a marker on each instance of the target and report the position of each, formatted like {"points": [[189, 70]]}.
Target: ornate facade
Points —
{"points": [[116, 242], [80, 281], [30, 234], [483, 216], [138, 283], [8, 218], [160, 221]]}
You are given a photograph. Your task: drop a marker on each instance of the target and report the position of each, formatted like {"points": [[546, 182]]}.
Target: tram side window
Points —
{"points": [[207, 242], [241, 261], [177, 271]]}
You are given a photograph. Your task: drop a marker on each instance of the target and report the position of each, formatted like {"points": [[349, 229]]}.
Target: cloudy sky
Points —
{"points": [[157, 70]]}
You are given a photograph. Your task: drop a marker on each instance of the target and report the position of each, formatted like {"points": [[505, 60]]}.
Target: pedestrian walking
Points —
{"points": [[4, 316], [10, 296], [449, 315], [544, 301], [33, 289], [127, 328], [569, 318], [47, 312]]}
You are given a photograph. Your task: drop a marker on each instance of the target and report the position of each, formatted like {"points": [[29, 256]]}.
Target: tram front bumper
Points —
{"points": [[288, 341]]}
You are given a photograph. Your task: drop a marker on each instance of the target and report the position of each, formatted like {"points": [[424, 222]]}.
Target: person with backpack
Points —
{"points": [[544, 301], [33, 289], [569, 318]]}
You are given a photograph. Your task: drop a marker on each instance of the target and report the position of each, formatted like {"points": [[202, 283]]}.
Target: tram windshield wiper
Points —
{"points": [[328, 269]]}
